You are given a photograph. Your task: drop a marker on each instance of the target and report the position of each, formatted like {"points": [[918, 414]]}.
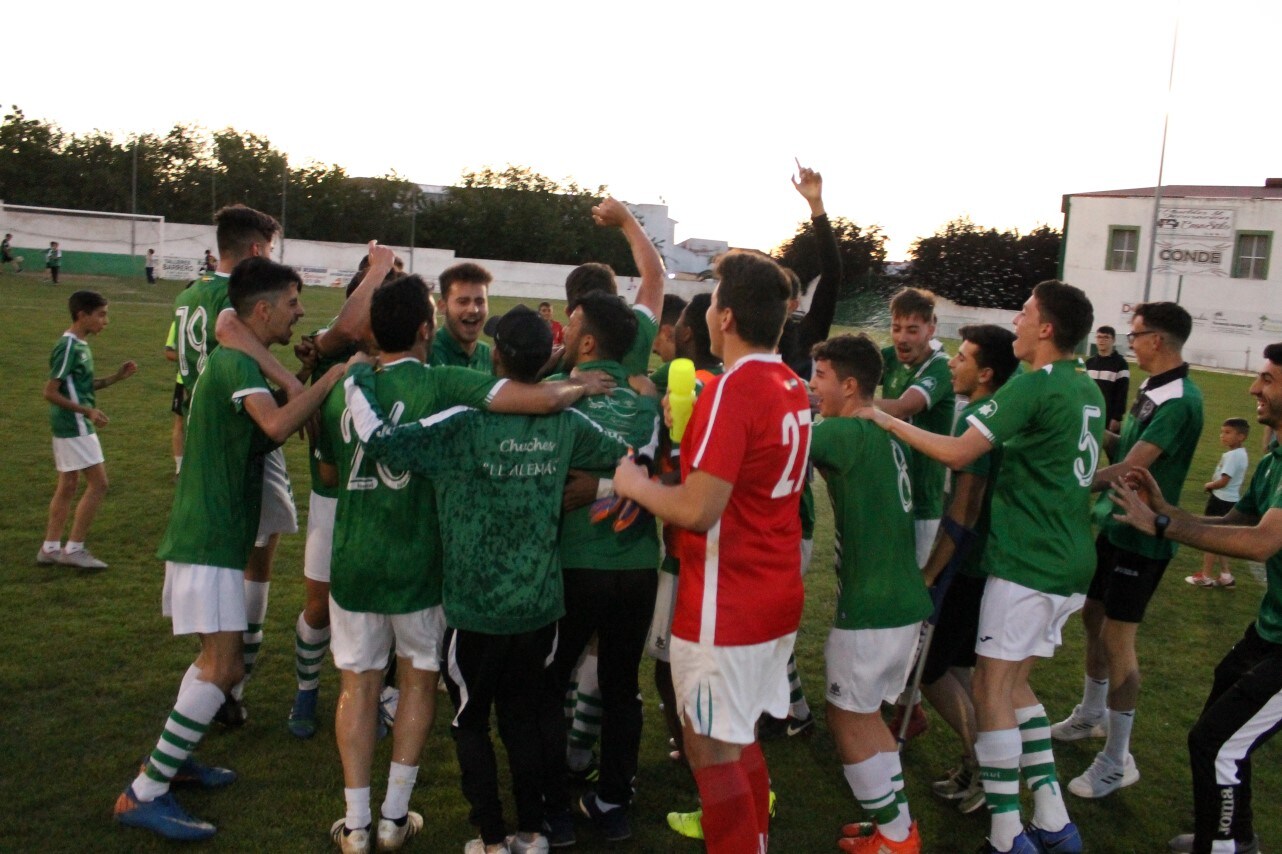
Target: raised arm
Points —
{"points": [[612, 212], [953, 451], [817, 323], [352, 324]]}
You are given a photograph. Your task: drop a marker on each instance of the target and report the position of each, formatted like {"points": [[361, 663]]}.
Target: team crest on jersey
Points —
{"points": [[988, 408], [834, 688], [928, 383], [1146, 410], [791, 384]]}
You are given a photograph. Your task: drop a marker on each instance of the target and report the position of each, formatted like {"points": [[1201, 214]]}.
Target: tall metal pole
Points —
{"points": [[1161, 166], [413, 223], [133, 223], [284, 187]]}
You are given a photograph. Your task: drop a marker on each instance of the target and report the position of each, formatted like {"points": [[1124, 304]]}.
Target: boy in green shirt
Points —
{"points": [[73, 416]]}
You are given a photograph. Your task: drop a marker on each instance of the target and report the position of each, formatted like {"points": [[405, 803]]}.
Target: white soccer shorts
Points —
{"points": [[1017, 622], [203, 599], [722, 690], [278, 515], [361, 641], [658, 642], [320, 537], [925, 530], [868, 667], [76, 453]]}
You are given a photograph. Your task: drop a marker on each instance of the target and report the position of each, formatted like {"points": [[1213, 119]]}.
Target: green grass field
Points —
{"points": [[90, 668]]}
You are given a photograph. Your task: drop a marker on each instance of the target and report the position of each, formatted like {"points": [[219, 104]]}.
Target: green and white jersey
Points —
{"points": [[933, 380], [878, 583], [171, 343], [1167, 413], [387, 541], [1265, 494], [634, 420], [986, 466], [220, 488], [660, 378], [446, 352], [498, 481], [637, 359], [196, 312], [1048, 423], [71, 364]]}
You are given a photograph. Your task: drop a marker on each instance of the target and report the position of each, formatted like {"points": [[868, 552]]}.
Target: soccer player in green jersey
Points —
{"points": [[234, 420], [881, 599], [464, 305], [1244, 707], [1039, 559], [1160, 434], [74, 417], [984, 362]]}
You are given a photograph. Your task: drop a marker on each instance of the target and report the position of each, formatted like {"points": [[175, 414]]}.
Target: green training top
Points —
{"points": [[1265, 494], [878, 583], [71, 364], [1167, 413], [387, 542], [196, 312], [498, 482], [933, 379], [220, 489], [446, 352], [1049, 423], [637, 359], [634, 420]]}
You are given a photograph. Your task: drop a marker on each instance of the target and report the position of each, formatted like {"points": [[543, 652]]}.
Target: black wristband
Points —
{"points": [[1160, 524]]}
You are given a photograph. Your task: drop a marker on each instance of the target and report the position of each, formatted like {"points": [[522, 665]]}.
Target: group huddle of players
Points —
{"points": [[977, 474]]}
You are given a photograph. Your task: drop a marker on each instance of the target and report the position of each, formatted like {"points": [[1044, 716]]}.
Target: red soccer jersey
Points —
{"points": [[740, 581]]}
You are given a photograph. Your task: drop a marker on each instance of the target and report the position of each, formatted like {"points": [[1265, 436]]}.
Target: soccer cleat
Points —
{"points": [[392, 834], [350, 841], [957, 783], [477, 846], [537, 845], [1078, 726], [302, 718], [918, 723], [1104, 777], [48, 558], [81, 559], [232, 713], [1066, 840], [559, 829], [1206, 581], [200, 775], [973, 798], [613, 824], [771, 728], [688, 824], [870, 840], [163, 816], [1183, 844], [1197, 579], [1226, 583], [1021, 845]]}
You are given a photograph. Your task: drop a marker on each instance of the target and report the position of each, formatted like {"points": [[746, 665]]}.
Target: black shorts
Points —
{"points": [[181, 400], [1124, 581], [1217, 506], [953, 643]]}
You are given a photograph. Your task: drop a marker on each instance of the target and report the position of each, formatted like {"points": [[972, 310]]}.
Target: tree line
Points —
{"points": [[511, 214]]}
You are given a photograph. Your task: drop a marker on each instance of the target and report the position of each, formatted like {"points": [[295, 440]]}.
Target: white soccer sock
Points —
{"points": [[358, 814], [1037, 766], [897, 830], [1094, 697], [1119, 735], [178, 464], [255, 613], [52, 545], [197, 703], [72, 547], [309, 653], [870, 783], [585, 728], [400, 783], [998, 753]]}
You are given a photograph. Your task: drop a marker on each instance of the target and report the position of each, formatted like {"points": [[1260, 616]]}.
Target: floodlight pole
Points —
{"points": [[1161, 166], [284, 187], [133, 223]]}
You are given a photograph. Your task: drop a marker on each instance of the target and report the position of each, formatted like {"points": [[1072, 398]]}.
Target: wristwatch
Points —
{"points": [[1159, 525]]}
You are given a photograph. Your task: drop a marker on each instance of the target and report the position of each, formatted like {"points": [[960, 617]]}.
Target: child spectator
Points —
{"points": [[1225, 488]]}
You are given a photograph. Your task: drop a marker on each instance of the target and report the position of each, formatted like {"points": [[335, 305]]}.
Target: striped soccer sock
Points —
{"points": [[898, 829], [870, 784], [1037, 766], [255, 614], [310, 646], [797, 705], [197, 703], [585, 728], [998, 752]]}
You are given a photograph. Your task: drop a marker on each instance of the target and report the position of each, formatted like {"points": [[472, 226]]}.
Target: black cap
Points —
{"points": [[523, 339]]}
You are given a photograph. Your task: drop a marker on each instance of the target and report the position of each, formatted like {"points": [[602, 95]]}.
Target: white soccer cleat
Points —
{"points": [[82, 559], [350, 841], [1077, 726], [537, 845], [48, 558], [1104, 777], [391, 835]]}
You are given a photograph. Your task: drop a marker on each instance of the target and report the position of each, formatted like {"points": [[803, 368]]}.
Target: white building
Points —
{"points": [[1213, 255]]}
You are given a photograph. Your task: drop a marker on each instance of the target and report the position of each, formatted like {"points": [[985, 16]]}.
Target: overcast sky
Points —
{"points": [[915, 112]]}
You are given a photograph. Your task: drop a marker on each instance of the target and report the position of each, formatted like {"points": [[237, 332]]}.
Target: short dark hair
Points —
{"points": [[696, 315], [396, 311], [255, 279], [545, 303], [1169, 318], [673, 305], [1239, 424], [756, 291], [1273, 352], [610, 320], [85, 301], [1067, 309], [994, 349], [1107, 330], [913, 302], [467, 273], [852, 356], [239, 227], [588, 278]]}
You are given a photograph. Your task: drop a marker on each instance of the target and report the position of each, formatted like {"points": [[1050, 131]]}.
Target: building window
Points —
{"points": [[1123, 248], [1251, 256]]}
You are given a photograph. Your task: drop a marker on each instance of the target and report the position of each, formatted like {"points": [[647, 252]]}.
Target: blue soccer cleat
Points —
{"points": [[163, 816], [1064, 841], [302, 718]]}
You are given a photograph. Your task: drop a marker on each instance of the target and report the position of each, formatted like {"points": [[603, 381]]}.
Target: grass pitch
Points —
{"points": [[90, 668]]}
